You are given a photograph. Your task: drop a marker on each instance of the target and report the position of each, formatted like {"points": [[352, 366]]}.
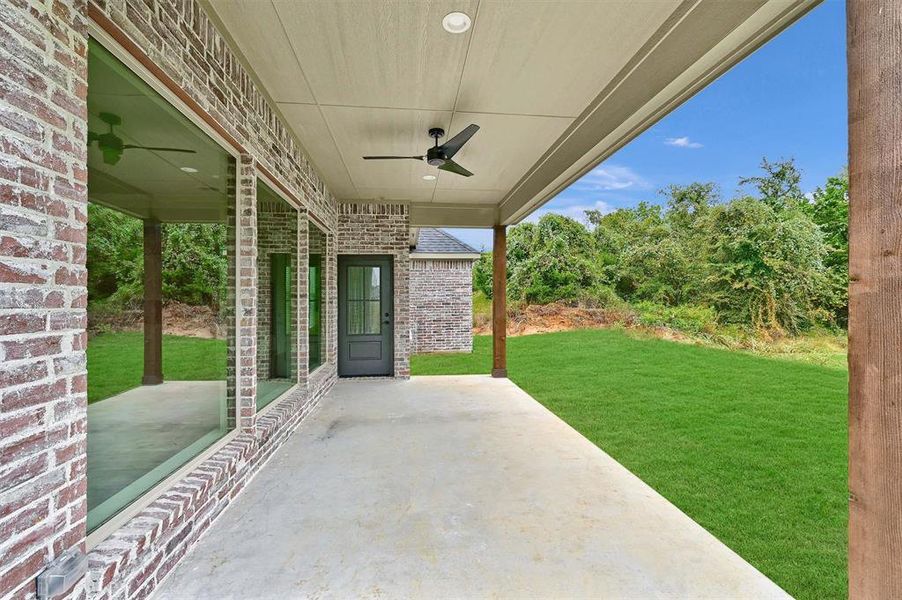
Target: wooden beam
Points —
{"points": [[874, 29], [153, 303], [499, 302]]}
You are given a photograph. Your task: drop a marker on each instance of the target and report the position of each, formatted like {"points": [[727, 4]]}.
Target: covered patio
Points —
{"points": [[460, 486]]}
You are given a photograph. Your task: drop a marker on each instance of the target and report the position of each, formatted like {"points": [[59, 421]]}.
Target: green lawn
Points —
{"points": [[753, 448], [116, 361]]}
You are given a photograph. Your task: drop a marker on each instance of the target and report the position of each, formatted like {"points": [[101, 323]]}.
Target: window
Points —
{"points": [[316, 339], [364, 301], [277, 258], [161, 292]]}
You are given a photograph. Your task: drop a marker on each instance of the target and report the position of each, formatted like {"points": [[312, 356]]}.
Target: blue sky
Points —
{"points": [[787, 100]]}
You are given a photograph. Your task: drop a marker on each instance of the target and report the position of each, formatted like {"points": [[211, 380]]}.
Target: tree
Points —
{"points": [[655, 254], [780, 186], [550, 260], [829, 209], [115, 256], [766, 265], [688, 205]]}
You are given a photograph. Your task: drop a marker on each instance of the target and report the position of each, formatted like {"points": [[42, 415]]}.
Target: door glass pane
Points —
{"points": [[372, 283], [373, 317], [356, 318], [355, 283], [364, 300]]}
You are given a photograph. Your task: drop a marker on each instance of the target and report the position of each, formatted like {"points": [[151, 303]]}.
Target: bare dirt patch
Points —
{"points": [[178, 319], [549, 318]]}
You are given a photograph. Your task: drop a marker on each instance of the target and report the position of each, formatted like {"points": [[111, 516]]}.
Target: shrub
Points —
{"points": [[601, 296], [482, 274], [685, 317]]}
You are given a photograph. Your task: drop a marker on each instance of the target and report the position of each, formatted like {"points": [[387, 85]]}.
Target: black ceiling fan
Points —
{"points": [[440, 156], [111, 145]]}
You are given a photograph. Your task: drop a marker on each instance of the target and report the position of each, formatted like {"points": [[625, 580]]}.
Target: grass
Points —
{"points": [[116, 362], [753, 448]]}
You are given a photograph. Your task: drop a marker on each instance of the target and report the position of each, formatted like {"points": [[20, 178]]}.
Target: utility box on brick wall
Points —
{"points": [[441, 292]]}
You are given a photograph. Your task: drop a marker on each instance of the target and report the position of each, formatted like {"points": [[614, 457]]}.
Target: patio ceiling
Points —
{"points": [[556, 87]]}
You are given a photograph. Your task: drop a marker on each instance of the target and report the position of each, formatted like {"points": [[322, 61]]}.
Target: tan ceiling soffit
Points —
{"points": [[699, 47], [452, 215], [531, 146]]}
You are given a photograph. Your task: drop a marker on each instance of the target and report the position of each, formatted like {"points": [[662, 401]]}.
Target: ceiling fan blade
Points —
{"points": [[392, 157], [158, 149], [453, 167], [451, 147]]}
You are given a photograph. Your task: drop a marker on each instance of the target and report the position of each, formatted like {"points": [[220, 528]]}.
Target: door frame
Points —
{"points": [[341, 334]]}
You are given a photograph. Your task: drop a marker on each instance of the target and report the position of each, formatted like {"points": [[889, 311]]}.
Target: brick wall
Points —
{"points": [[277, 233], [246, 337], [375, 228], [441, 305], [43, 214], [43, 176]]}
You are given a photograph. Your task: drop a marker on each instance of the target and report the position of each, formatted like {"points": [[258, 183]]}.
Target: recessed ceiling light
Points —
{"points": [[188, 169], [429, 177], [456, 22]]}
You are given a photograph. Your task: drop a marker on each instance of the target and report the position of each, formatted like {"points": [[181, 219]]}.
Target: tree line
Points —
{"points": [[772, 259]]}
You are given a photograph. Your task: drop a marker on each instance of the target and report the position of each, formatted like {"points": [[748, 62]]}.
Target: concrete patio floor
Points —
{"points": [[459, 487]]}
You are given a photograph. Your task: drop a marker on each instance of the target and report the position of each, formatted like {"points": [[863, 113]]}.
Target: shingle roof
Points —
{"points": [[436, 241]]}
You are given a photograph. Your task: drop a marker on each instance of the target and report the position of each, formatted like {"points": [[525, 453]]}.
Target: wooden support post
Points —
{"points": [[874, 29], [499, 302], [153, 303]]}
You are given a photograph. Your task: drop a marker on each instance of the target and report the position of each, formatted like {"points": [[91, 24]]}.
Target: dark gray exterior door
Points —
{"points": [[365, 316]]}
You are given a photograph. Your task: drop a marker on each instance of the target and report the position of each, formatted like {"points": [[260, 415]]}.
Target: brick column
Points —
{"points": [[303, 260], [246, 336], [43, 233]]}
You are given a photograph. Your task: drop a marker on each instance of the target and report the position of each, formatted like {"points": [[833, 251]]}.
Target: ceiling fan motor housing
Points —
{"points": [[435, 157]]}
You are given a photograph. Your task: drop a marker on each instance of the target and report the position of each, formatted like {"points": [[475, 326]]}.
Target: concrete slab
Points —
{"points": [[453, 487]]}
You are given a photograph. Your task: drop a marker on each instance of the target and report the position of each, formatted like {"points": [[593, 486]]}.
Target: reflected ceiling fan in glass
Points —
{"points": [[112, 146], [440, 156]]}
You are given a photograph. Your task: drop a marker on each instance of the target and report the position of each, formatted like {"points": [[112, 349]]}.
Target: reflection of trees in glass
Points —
{"points": [[317, 247], [194, 261]]}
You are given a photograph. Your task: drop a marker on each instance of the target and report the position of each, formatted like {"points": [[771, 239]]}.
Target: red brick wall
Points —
{"points": [[441, 305], [42, 287]]}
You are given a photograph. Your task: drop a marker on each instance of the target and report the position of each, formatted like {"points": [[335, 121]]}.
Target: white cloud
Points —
{"points": [[574, 211], [609, 177], [682, 142]]}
